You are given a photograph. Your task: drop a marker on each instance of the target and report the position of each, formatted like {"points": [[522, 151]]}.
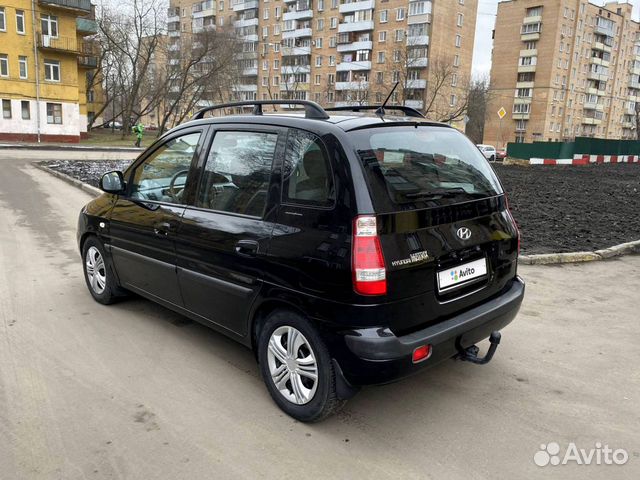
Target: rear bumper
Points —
{"points": [[376, 355]]}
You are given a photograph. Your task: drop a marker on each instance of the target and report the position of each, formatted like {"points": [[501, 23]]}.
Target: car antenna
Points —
{"points": [[380, 110]]}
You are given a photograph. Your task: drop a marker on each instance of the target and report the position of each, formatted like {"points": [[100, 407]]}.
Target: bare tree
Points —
{"points": [[129, 37], [201, 69], [479, 98], [447, 95]]}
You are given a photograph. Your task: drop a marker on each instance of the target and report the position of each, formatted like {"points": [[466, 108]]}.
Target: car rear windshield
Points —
{"points": [[412, 167]]}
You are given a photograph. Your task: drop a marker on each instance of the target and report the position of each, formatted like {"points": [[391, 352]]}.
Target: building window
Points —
{"points": [[382, 36], [49, 25], [399, 35], [456, 61], [458, 41], [317, 79], [52, 70], [384, 16], [535, 12], [6, 108], [3, 21], [380, 57], [22, 62], [399, 14], [454, 80], [332, 60], [54, 113], [26, 109], [319, 61], [4, 65], [20, 22], [460, 19], [320, 5], [453, 101], [319, 42], [332, 42], [320, 24], [334, 22], [379, 78]]}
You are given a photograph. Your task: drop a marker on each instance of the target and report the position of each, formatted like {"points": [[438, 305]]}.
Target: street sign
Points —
{"points": [[501, 113]]}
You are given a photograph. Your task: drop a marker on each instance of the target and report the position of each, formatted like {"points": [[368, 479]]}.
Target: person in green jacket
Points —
{"points": [[138, 130]]}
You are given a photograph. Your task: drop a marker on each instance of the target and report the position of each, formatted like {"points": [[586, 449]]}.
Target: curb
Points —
{"points": [[90, 189], [577, 257], [73, 148], [542, 259]]}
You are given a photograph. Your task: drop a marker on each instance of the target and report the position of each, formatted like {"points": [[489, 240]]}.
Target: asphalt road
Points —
{"points": [[132, 391]]}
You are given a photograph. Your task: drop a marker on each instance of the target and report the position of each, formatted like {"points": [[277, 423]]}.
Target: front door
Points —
{"points": [[143, 223], [223, 240]]}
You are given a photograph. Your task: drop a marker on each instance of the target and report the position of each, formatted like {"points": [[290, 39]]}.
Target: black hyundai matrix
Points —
{"points": [[345, 249]]}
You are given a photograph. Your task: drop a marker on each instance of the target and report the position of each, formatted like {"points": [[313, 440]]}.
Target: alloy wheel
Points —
{"points": [[96, 270]]}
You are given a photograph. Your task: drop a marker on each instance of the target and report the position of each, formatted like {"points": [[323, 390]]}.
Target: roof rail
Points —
{"points": [[408, 111], [311, 109]]}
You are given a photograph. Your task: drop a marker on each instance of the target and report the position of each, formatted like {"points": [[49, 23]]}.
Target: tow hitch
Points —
{"points": [[470, 354]]}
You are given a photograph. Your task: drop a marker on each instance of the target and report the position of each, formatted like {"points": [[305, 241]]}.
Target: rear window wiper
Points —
{"points": [[449, 192]]}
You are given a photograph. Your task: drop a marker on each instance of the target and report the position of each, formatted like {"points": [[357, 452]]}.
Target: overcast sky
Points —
{"points": [[486, 20]]}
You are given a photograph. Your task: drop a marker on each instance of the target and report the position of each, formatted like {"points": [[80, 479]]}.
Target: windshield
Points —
{"points": [[422, 167]]}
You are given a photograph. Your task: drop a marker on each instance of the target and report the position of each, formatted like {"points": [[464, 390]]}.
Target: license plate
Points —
{"points": [[462, 274]]}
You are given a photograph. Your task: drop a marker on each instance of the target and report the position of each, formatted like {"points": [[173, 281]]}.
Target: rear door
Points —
{"points": [[224, 236], [442, 218]]}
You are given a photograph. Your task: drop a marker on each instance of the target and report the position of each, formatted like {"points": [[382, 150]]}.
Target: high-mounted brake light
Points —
{"points": [[369, 273]]}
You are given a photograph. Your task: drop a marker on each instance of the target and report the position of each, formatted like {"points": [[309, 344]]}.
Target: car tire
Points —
{"points": [[296, 393], [98, 273]]}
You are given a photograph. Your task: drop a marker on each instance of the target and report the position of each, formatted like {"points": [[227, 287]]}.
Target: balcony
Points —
{"points": [[601, 46], [524, 84], [59, 44], [293, 69], [418, 62], [246, 22], [355, 6], [353, 46], [603, 30], [602, 77], [529, 53], [528, 37], [291, 51], [417, 104], [599, 61], [173, 33], [353, 66], [417, 40], [361, 26], [591, 121], [88, 61], [245, 88], [634, 84], [349, 86], [297, 15], [418, 83], [634, 70], [86, 26], [83, 6], [294, 87], [418, 19], [532, 19], [526, 68], [297, 33], [206, 12], [250, 72], [245, 5], [628, 125], [520, 116]]}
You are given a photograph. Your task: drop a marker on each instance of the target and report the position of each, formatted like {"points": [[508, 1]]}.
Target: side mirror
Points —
{"points": [[112, 182]]}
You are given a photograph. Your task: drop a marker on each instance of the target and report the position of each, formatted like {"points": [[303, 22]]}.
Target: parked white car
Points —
{"points": [[489, 152]]}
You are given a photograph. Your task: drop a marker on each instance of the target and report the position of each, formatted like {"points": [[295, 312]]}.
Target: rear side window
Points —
{"points": [[307, 177], [422, 167], [237, 172]]}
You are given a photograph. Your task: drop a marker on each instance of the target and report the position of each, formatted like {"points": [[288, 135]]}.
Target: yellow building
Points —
{"points": [[46, 64]]}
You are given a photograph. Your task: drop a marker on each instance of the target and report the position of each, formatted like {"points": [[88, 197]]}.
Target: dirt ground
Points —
{"points": [[558, 208]]}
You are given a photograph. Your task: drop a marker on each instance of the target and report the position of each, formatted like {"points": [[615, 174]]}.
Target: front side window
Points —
{"points": [[54, 113], [306, 174], [237, 172], [163, 176], [410, 168]]}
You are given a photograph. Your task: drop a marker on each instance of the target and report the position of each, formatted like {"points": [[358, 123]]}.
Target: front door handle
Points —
{"points": [[247, 248], [162, 229]]}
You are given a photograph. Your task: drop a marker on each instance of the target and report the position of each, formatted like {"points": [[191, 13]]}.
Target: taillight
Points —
{"points": [[506, 199], [421, 353], [369, 273]]}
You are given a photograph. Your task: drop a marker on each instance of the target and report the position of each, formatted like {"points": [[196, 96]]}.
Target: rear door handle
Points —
{"points": [[247, 248], [162, 229]]}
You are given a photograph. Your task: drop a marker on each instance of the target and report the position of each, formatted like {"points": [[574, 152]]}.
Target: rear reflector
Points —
{"points": [[369, 273], [421, 353]]}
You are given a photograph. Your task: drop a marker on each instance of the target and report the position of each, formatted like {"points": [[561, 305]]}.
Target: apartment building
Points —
{"points": [[339, 52], [563, 68], [46, 69]]}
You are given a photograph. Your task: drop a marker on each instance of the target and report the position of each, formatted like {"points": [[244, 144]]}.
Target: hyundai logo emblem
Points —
{"points": [[464, 233]]}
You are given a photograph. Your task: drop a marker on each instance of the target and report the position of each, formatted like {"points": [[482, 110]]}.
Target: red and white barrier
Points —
{"points": [[585, 159]]}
